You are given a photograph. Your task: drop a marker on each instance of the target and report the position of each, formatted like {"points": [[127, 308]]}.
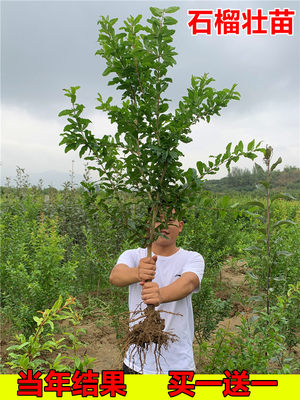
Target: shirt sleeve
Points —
{"points": [[195, 264], [128, 257]]}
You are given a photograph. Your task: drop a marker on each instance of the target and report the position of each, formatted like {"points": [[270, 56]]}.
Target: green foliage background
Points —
{"points": [[52, 245]]}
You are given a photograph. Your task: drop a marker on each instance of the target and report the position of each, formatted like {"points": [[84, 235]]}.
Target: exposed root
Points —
{"points": [[148, 332]]}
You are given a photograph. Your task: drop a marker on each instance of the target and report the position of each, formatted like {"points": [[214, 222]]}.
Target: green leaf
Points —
{"points": [[17, 346], [170, 10], [228, 147], [284, 196], [265, 184], [224, 201], [251, 145], [170, 21], [77, 363], [253, 317], [252, 156], [268, 152], [255, 215], [284, 253], [163, 107], [255, 203], [51, 325], [157, 12], [259, 168], [239, 147], [106, 71], [256, 298], [279, 278], [83, 150], [137, 19], [69, 147], [57, 304], [284, 222], [251, 275], [276, 163], [24, 361], [254, 248], [74, 89], [201, 167], [113, 21], [65, 112], [38, 320], [64, 140]]}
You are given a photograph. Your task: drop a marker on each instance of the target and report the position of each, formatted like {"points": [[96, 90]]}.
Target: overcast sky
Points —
{"points": [[50, 45]]}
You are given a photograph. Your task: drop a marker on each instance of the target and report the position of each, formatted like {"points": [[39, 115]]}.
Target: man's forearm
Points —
{"points": [[122, 275], [179, 289]]}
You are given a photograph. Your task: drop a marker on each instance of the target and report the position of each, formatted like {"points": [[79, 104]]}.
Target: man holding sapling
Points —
{"points": [[167, 281], [143, 158]]}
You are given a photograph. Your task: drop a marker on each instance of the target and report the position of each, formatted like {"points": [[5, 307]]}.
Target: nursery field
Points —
{"points": [[58, 309]]}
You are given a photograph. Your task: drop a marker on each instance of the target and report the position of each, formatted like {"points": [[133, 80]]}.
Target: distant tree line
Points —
{"points": [[245, 180], [238, 180]]}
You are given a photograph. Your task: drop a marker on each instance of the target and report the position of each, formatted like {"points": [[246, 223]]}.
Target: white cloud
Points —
{"points": [[280, 129], [32, 142]]}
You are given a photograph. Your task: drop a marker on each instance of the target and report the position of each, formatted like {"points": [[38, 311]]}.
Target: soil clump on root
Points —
{"points": [[148, 332]]}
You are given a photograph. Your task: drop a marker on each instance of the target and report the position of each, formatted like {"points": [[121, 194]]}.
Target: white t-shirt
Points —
{"points": [[179, 355]]}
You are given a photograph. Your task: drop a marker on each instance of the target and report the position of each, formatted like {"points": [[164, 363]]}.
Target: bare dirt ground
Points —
{"points": [[100, 343], [233, 281]]}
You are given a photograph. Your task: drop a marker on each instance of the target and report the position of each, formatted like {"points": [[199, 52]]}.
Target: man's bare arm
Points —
{"points": [[122, 275], [182, 287]]}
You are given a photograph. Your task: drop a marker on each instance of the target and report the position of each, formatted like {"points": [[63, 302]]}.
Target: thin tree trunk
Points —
{"points": [[268, 239], [149, 254]]}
